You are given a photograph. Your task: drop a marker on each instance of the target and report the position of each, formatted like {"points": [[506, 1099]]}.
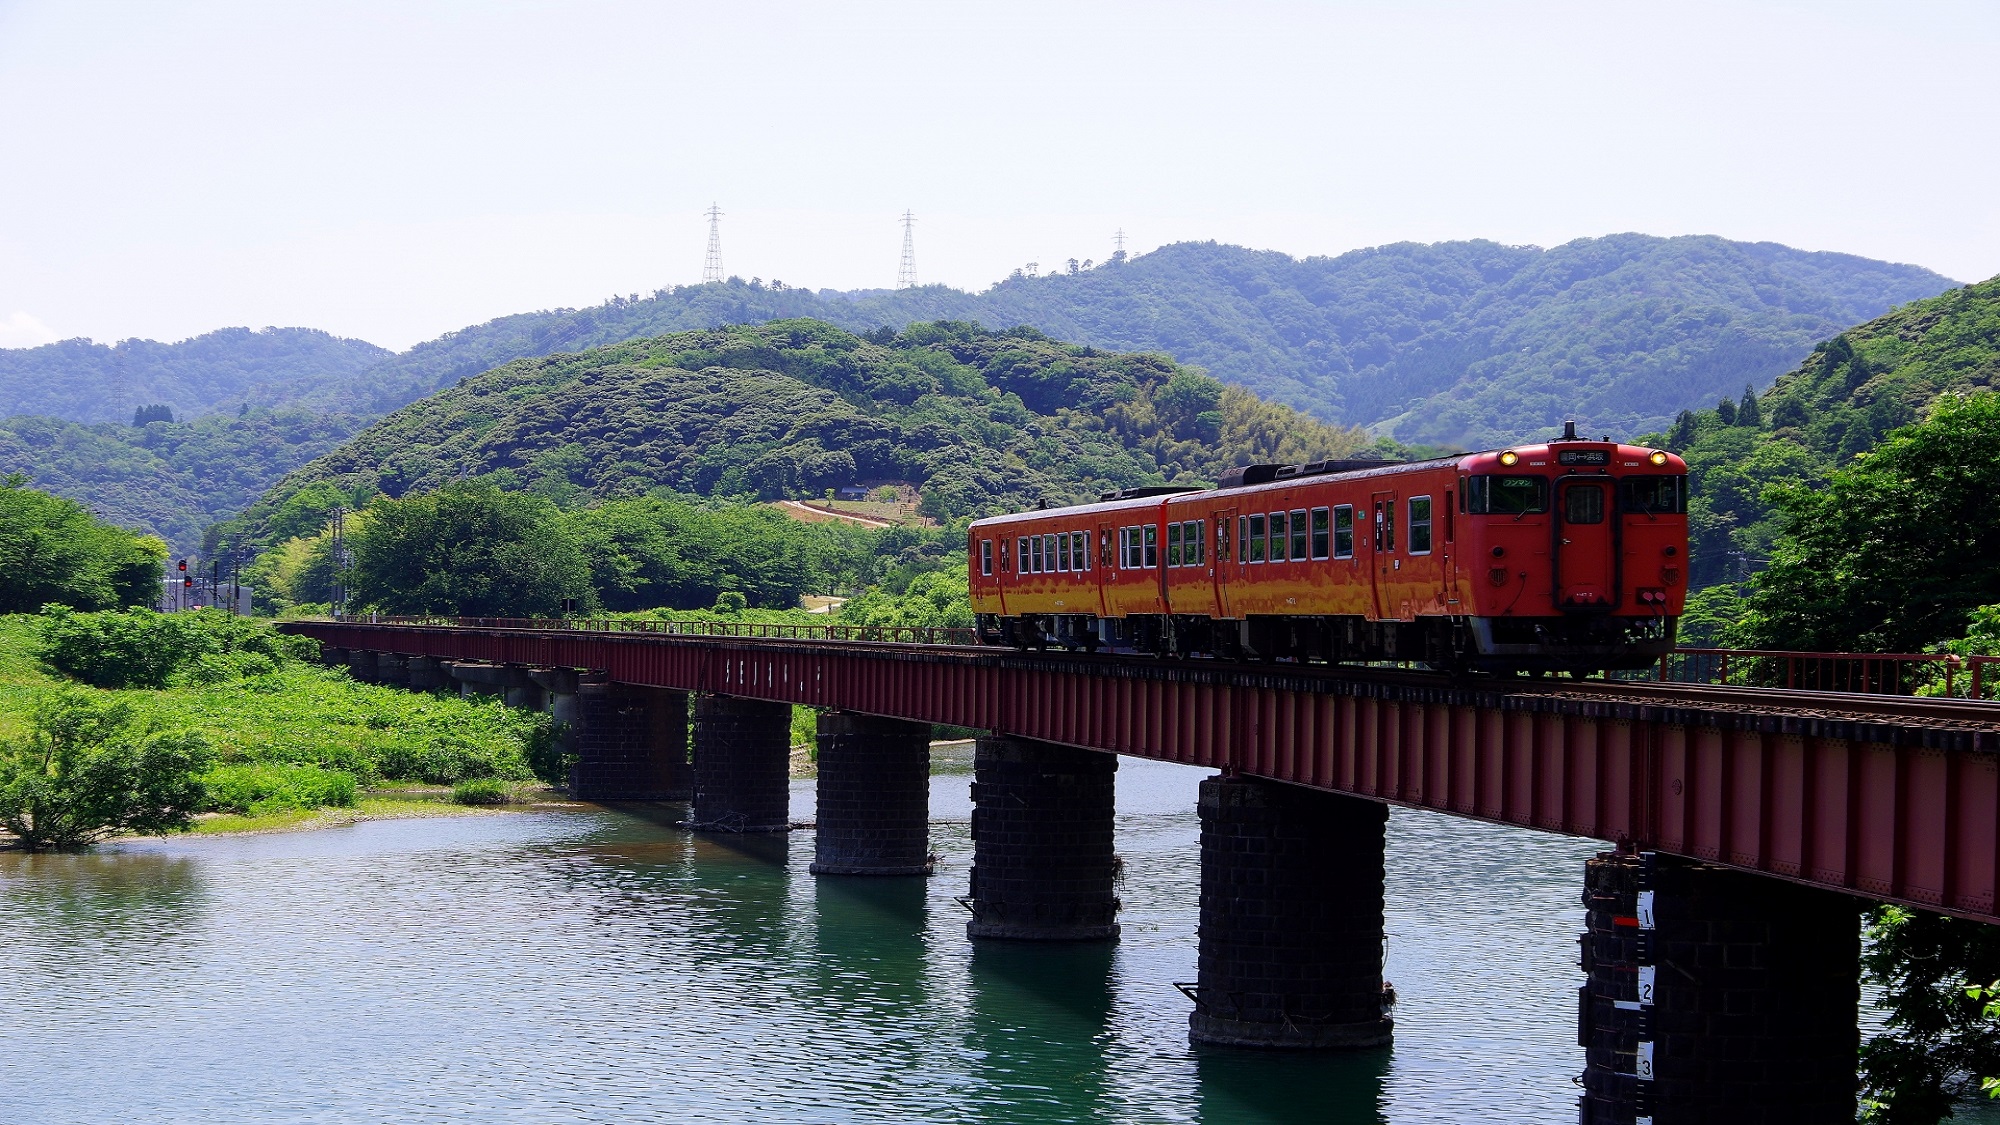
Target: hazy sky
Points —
{"points": [[395, 170]]}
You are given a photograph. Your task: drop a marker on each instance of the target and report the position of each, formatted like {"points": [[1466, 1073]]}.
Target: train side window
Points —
{"points": [[986, 556], [1152, 533], [1034, 554], [1242, 539], [1079, 550], [1124, 548], [1062, 551], [1343, 532], [1319, 533], [1278, 537], [1197, 540], [1385, 526], [1256, 539], [1420, 525], [1298, 535], [1173, 544], [1021, 567]]}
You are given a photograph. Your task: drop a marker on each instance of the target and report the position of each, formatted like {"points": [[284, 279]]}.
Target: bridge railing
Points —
{"points": [[1925, 674], [892, 634], [1902, 673]]}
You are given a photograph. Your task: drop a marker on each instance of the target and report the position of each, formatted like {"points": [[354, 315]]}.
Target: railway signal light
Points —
{"points": [[184, 566]]}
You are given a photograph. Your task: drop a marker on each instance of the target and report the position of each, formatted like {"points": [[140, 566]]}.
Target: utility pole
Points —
{"points": [[711, 270], [906, 273], [339, 597]]}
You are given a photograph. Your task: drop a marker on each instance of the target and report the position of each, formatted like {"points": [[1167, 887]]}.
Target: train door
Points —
{"points": [[1222, 558], [1384, 566], [1104, 563], [1585, 570]]}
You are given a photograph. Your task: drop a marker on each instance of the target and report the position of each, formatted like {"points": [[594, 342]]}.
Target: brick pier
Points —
{"points": [[1043, 868]]}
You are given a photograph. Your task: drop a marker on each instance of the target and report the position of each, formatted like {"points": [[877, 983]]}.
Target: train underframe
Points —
{"points": [[1577, 644]]}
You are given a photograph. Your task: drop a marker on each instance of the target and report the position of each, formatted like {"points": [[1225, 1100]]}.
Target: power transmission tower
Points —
{"points": [[1119, 239], [906, 274], [712, 269]]}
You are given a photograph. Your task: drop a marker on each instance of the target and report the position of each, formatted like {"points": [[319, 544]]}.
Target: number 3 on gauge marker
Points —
{"points": [[1644, 1069]]}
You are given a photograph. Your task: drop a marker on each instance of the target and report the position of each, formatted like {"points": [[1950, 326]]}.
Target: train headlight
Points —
{"points": [[1658, 457], [1510, 458]]}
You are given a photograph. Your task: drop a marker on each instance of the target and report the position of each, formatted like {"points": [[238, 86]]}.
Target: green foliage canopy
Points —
{"points": [[86, 770], [1894, 552], [54, 550], [139, 648], [472, 550]]}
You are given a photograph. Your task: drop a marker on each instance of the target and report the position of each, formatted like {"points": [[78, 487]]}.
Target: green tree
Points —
{"points": [[54, 550], [468, 549], [85, 771], [1938, 1039], [1748, 413], [1896, 551]]}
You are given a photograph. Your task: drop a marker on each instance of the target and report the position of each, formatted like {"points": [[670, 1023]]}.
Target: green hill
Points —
{"points": [[170, 479], [81, 381], [980, 420], [1457, 342], [1849, 391]]}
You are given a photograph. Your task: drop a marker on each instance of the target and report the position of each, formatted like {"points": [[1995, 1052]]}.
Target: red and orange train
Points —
{"points": [[1564, 556]]}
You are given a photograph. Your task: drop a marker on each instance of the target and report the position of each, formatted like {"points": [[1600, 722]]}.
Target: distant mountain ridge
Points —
{"points": [[82, 381], [1467, 343]]}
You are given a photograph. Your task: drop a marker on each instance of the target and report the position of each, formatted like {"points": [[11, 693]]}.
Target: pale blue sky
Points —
{"points": [[394, 170]]}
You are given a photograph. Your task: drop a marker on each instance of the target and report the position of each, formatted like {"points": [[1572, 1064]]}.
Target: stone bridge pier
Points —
{"points": [[1716, 996], [1043, 864], [742, 765], [874, 796]]}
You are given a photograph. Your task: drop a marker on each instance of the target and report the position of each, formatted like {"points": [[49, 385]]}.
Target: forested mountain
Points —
{"points": [[171, 479], [1469, 343], [981, 420], [1849, 391], [82, 381], [1458, 342]]}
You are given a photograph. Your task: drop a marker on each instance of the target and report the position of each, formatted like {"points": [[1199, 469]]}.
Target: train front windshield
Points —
{"points": [[1507, 495]]}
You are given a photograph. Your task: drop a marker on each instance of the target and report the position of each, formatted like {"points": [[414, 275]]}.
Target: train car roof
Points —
{"points": [[1155, 497]]}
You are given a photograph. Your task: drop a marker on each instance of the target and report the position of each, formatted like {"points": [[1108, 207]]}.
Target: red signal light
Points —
{"points": [[187, 583], [184, 566]]}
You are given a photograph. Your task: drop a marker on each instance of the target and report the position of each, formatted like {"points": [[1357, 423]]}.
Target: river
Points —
{"points": [[592, 965]]}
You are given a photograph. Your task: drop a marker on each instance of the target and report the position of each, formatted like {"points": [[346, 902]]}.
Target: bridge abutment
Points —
{"points": [[1291, 918], [630, 742], [364, 665], [742, 765], [874, 796], [426, 673], [1043, 866], [1716, 995]]}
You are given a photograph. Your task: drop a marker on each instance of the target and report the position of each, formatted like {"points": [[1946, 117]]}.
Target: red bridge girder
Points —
{"points": [[1897, 808]]}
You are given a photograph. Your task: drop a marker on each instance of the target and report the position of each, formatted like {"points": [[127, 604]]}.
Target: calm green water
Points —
{"points": [[592, 966]]}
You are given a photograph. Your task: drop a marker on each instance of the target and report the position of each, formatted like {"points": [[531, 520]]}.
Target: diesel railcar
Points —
{"points": [[1564, 556]]}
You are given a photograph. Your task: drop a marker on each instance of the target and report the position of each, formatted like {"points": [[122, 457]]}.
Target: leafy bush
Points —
{"points": [[54, 550], [141, 648], [257, 788], [482, 791], [87, 770], [447, 757]]}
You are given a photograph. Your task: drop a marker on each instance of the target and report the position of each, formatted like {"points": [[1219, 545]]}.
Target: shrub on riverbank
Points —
{"points": [[284, 732], [143, 649], [89, 768]]}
